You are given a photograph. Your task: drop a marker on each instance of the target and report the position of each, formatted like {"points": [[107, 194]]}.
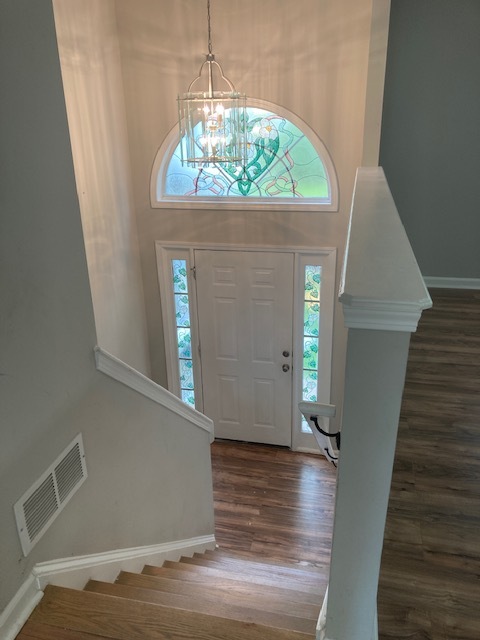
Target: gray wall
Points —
{"points": [[149, 473], [430, 145]]}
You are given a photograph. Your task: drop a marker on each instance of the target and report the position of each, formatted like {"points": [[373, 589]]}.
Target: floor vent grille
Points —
{"points": [[44, 500]]}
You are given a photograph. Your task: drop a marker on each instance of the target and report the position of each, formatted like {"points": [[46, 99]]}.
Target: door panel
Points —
{"points": [[245, 310]]}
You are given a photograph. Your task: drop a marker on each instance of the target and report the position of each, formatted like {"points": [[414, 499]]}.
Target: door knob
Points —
{"points": [[286, 353], [285, 367]]}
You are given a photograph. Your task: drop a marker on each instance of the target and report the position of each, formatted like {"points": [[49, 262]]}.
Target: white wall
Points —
{"points": [[309, 56], [90, 62], [149, 473]]}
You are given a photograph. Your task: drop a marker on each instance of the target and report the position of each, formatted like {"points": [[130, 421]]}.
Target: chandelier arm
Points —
{"points": [[210, 80], [197, 78]]}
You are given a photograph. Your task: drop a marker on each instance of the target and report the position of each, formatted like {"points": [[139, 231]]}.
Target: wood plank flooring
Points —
{"points": [[273, 503], [430, 575]]}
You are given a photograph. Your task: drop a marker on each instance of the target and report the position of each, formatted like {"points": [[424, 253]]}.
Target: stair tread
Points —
{"points": [[38, 631], [296, 595], [314, 587], [278, 601], [121, 619], [202, 604], [257, 568], [240, 556]]}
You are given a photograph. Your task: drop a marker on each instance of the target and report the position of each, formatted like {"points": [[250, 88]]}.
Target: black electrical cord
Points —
{"points": [[314, 419]]}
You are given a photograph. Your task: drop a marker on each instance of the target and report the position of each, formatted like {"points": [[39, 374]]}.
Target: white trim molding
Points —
{"points": [[17, 612], [435, 282], [118, 370], [381, 286], [75, 572], [322, 619], [364, 313]]}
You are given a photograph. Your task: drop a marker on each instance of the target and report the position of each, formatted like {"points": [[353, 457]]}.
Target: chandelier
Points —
{"points": [[212, 116]]}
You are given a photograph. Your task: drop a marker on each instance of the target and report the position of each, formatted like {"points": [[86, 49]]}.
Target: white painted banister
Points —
{"points": [[381, 287], [120, 371], [383, 295]]}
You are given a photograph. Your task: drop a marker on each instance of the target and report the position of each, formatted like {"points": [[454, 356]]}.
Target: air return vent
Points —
{"points": [[41, 504]]}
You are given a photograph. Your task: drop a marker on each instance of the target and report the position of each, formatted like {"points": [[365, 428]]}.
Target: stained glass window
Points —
{"points": [[183, 329], [311, 333], [282, 163]]}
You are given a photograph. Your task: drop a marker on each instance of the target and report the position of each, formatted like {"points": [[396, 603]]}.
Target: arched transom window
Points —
{"points": [[287, 167]]}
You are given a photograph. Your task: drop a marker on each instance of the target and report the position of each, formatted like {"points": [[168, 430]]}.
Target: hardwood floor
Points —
{"points": [[430, 576], [276, 504], [273, 503]]}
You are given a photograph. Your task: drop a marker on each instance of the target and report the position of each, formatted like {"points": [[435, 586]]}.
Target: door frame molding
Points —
{"points": [[327, 256]]}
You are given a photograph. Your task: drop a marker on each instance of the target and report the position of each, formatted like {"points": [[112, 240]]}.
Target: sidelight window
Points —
{"points": [[183, 331], [311, 335]]}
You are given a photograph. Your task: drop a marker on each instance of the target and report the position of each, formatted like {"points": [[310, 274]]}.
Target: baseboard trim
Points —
{"points": [[16, 613], [75, 572], [322, 619], [434, 282]]}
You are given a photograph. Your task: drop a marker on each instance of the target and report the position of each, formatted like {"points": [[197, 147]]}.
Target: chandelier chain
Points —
{"points": [[214, 133], [209, 29]]}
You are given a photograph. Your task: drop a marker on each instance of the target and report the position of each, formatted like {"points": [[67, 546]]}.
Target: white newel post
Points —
{"points": [[383, 295]]}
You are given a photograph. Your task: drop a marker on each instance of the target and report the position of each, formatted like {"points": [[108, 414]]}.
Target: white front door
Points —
{"points": [[245, 317]]}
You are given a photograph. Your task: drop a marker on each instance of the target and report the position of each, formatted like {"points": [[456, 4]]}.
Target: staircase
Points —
{"points": [[217, 595]]}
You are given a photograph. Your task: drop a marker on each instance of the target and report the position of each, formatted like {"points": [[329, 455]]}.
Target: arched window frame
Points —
{"points": [[160, 200]]}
